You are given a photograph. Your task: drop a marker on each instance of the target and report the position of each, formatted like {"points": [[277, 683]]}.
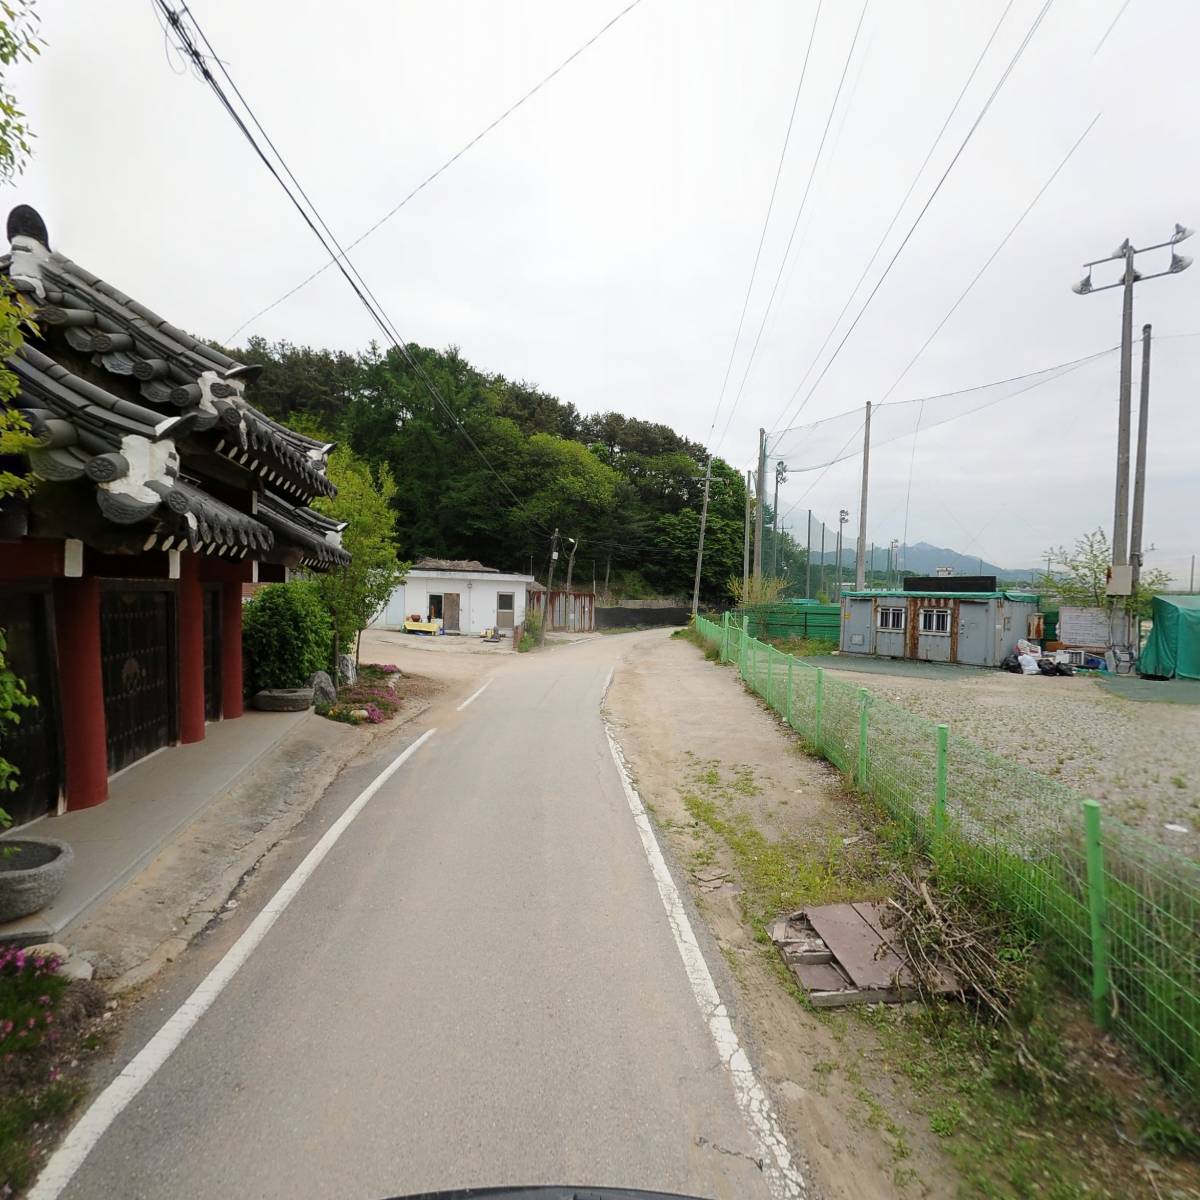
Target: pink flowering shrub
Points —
{"points": [[29, 991]]}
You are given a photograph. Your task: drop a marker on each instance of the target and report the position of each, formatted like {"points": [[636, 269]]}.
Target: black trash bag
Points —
{"points": [[1047, 666], [1010, 662]]}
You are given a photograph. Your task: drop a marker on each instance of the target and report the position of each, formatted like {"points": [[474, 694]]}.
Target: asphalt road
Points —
{"points": [[479, 985]]}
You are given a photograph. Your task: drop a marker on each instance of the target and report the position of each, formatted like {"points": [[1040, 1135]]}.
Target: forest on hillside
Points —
{"points": [[630, 491]]}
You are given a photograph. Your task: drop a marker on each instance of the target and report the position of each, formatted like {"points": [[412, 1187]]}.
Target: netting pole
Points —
{"points": [[820, 707], [788, 711], [1096, 909], [939, 800], [863, 699]]}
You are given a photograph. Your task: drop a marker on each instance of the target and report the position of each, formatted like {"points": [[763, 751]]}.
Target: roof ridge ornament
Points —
{"points": [[24, 221]]}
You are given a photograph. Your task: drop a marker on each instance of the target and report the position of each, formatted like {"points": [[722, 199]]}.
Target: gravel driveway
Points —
{"points": [[1140, 759]]}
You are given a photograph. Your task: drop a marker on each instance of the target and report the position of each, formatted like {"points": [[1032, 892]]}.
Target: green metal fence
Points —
{"points": [[818, 622], [1118, 913]]}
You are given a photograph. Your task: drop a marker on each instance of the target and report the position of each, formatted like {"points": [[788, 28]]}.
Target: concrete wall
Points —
{"points": [[477, 594]]}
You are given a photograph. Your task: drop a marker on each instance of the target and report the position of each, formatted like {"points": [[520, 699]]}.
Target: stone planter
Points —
{"points": [[33, 876], [283, 699]]}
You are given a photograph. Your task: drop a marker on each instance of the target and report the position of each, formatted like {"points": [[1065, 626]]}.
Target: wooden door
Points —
{"points": [[137, 650], [31, 745], [212, 651], [450, 612]]}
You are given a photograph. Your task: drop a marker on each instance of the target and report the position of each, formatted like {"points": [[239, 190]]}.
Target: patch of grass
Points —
{"points": [[693, 635], [802, 647]]}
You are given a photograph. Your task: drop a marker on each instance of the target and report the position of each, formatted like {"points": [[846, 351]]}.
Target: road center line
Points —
{"points": [[105, 1109], [474, 695], [783, 1175]]}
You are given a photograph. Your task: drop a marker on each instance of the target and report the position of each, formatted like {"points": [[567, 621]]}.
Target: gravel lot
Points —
{"points": [[1140, 759]]}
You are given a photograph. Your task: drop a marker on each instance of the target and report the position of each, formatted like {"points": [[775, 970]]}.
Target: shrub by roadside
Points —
{"points": [[372, 700], [531, 633], [287, 636], [50, 1027]]}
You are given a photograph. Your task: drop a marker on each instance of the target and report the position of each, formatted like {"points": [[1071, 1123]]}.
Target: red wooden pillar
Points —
{"points": [[191, 650], [81, 689], [231, 650]]}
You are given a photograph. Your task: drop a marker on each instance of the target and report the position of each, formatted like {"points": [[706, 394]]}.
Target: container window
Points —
{"points": [[891, 618], [935, 620]]}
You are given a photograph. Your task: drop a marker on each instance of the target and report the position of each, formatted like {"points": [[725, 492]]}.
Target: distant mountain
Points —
{"points": [[924, 559]]}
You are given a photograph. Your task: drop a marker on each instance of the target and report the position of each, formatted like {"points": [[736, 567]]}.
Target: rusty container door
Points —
{"points": [[137, 649], [450, 611], [975, 641], [212, 651], [31, 744]]}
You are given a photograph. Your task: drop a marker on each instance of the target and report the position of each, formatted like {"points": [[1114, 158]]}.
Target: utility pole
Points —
{"points": [[1126, 253], [780, 477], [1139, 472], [894, 563], [746, 545], [808, 558], [549, 587], [860, 561], [760, 493], [700, 546], [1192, 579], [843, 517], [571, 562]]}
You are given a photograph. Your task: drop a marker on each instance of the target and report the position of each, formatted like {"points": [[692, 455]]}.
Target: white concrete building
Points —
{"points": [[456, 597]]}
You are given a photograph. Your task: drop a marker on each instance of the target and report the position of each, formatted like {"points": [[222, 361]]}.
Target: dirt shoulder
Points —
{"points": [[683, 724], [887, 1100]]}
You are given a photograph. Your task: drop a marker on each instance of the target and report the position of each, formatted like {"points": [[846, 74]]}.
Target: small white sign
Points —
{"points": [[1089, 627]]}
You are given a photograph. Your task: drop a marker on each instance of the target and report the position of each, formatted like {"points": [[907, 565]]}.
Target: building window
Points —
{"points": [[935, 620], [891, 618], [504, 601]]}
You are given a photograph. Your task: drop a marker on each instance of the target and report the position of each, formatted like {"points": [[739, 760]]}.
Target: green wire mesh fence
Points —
{"points": [[1118, 914]]}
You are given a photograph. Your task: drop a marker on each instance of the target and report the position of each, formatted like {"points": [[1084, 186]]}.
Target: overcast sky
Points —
{"points": [[599, 241]]}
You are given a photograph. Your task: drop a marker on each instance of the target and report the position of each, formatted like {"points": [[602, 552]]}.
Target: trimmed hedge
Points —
{"points": [[286, 636]]}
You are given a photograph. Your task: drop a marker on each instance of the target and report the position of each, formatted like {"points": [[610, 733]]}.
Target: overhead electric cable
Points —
{"points": [[766, 221], [932, 196], [387, 216], [795, 225]]}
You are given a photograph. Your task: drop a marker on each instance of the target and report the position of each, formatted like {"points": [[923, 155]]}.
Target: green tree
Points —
{"points": [[286, 632], [1082, 576], [18, 43], [355, 593]]}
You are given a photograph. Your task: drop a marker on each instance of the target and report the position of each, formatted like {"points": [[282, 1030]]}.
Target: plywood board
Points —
{"points": [[868, 959]]}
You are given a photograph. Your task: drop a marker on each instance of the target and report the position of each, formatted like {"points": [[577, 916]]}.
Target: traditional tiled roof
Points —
{"points": [[450, 564], [192, 405]]}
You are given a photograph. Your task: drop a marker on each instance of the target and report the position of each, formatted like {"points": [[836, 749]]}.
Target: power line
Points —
{"points": [[796, 223], [925, 208], [766, 220], [992, 257], [1111, 27], [512, 108], [899, 208]]}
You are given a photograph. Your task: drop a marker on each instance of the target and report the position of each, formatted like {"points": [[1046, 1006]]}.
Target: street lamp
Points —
{"points": [[1126, 252], [843, 517], [893, 559]]}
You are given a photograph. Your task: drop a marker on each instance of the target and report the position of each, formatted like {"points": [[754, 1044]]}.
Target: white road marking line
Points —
{"points": [[783, 1175], [474, 695], [607, 684], [105, 1109]]}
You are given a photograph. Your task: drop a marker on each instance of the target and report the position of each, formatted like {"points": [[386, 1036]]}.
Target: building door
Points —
{"points": [[504, 611], [32, 744], [450, 612], [137, 650], [974, 640], [211, 598]]}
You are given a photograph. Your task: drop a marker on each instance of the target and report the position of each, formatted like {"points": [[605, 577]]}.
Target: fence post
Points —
{"points": [[1096, 907], [864, 698], [725, 636], [939, 799], [819, 723], [770, 677], [788, 709]]}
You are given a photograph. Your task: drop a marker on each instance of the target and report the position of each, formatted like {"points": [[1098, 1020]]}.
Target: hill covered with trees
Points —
{"points": [[629, 490]]}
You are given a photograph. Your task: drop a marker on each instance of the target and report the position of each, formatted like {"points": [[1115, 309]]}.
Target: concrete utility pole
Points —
{"points": [[549, 587], [808, 557], [1139, 471], [760, 492], [700, 546], [860, 562], [1192, 579], [570, 608], [780, 477], [1126, 253], [746, 544], [843, 517]]}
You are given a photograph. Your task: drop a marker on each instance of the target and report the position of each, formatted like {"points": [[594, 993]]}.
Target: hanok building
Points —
{"points": [[159, 492]]}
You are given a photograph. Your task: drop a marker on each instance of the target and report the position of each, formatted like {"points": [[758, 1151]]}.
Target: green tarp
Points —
{"points": [[1173, 648]]}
